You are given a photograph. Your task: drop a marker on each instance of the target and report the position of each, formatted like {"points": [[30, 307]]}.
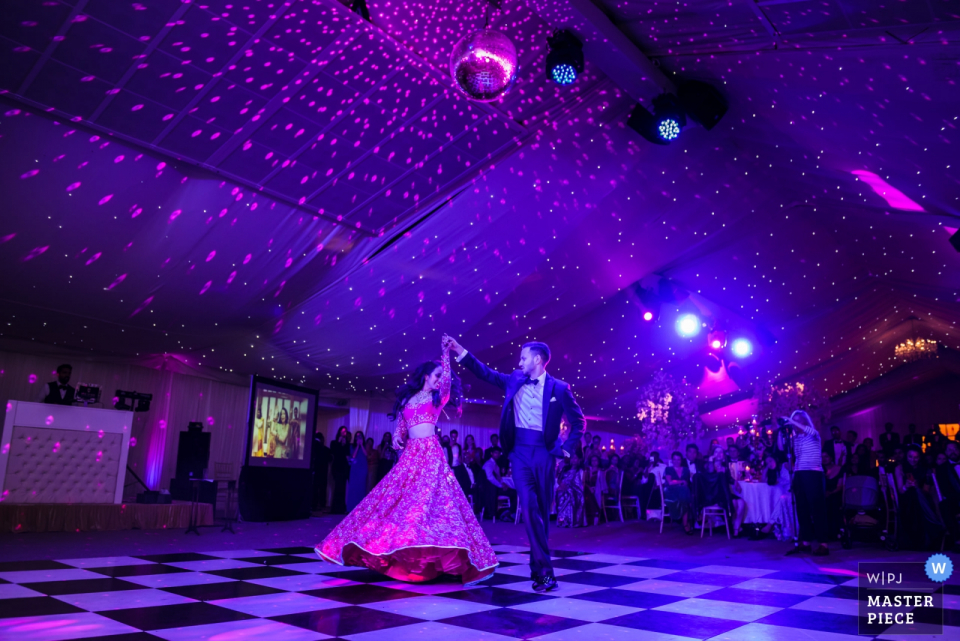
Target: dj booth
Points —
{"points": [[62, 468]]}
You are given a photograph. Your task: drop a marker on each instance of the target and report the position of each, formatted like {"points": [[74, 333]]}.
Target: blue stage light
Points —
{"points": [[688, 325], [668, 128], [564, 74], [742, 348]]}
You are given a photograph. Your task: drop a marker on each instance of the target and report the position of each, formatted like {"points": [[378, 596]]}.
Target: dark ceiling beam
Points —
{"points": [[54, 42]]}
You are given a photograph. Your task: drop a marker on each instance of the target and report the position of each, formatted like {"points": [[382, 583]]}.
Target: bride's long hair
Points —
{"points": [[415, 383]]}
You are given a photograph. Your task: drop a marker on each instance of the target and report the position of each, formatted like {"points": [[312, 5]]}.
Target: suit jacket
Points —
{"points": [[948, 481], [558, 402]]}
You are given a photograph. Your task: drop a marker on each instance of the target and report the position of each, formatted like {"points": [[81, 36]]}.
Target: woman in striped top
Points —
{"points": [[808, 485]]}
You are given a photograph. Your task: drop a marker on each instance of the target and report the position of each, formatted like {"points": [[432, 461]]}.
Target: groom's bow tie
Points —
{"points": [[531, 381]]}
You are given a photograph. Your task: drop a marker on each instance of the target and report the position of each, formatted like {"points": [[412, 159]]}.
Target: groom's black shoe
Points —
{"points": [[547, 583]]}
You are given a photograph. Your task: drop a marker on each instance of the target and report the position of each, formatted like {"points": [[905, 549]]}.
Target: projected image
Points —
{"points": [[280, 425]]}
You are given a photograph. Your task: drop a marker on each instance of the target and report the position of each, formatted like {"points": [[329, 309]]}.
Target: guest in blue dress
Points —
{"points": [[357, 483]]}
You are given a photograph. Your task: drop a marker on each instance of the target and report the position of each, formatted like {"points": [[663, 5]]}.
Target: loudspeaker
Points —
{"points": [[955, 240], [193, 452], [275, 493]]}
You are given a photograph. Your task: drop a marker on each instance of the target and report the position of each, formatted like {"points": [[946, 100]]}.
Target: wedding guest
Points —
{"points": [[776, 474], [373, 463], [676, 491], [320, 464], [833, 475], [494, 478], [570, 495], [357, 482], [592, 489], [612, 477], [694, 461], [920, 527], [340, 469], [948, 480], [808, 485], [388, 456], [841, 451], [934, 441], [889, 440], [58, 392], [469, 445], [912, 438], [494, 444], [737, 469]]}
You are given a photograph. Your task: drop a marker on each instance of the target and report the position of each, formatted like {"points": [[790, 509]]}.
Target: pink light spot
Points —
{"points": [[32, 378], [175, 214], [140, 309], [36, 252], [196, 133], [211, 255], [133, 441], [30, 174], [210, 421], [49, 420], [105, 199], [119, 280], [136, 108], [231, 277], [7, 237], [118, 159], [894, 197], [94, 258], [73, 186], [247, 258], [206, 287], [100, 434]]}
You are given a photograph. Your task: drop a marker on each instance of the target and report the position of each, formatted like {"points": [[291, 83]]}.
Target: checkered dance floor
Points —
{"points": [[288, 594]]}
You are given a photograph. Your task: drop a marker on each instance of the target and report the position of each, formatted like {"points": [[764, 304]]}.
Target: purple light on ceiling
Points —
{"points": [[894, 197]]}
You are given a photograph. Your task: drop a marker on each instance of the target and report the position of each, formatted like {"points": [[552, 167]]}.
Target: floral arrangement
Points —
{"points": [[668, 412], [775, 400]]}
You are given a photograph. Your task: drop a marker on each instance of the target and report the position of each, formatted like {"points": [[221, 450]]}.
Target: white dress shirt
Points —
{"points": [[528, 405], [492, 470]]}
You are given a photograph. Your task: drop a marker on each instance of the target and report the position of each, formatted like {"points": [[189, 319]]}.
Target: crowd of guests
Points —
{"points": [[924, 468]]}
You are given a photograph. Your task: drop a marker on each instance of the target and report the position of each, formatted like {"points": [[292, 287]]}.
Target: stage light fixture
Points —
{"points": [[717, 339], [702, 102], [565, 59], [359, 7], [665, 123], [648, 301], [688, 325], [742, 348]]}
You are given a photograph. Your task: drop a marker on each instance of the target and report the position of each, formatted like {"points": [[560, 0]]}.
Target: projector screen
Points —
{"points": [[281, 424]]}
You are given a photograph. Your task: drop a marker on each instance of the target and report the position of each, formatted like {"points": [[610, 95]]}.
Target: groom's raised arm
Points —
{"points": [[481, 371]]}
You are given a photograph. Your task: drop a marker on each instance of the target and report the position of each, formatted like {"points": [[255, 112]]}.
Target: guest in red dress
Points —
{"points": [[416, 524]]}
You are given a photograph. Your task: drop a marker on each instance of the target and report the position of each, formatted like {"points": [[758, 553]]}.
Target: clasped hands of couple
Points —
{"points": [[449, 343]]}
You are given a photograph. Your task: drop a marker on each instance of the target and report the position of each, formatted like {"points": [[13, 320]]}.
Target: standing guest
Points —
{"points": [[58, 392], [373, 462], [320, 464], [934, 441], [676, 491], [592, 489], [743, 448], [912, 438], [460, 470], [833, 476], [570, 499], [388, 456], [948, 480], [340, 469], [851, 440], [841, 451], [357, 483], [889, 440], [808, 486], [454, 438], [737, 469], [469, 445], [494, 444], [920, 527]]}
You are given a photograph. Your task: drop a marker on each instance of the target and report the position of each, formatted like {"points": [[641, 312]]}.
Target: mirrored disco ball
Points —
{"points": [[484, 65]]}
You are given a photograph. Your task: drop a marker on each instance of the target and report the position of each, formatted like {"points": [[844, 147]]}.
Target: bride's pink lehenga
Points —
{"points": [[416, 523]]}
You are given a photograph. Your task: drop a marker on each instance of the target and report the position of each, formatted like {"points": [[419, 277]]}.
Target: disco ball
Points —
{"points": [[484, 65]]}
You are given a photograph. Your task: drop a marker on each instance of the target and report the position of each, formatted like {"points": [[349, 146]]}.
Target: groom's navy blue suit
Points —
{"points": [[533, 452]]}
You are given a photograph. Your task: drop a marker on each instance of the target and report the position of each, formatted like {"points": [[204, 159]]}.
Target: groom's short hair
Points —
{"points": [[538, 348]]}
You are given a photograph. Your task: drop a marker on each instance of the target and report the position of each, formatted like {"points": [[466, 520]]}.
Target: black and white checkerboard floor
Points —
{"points": [[287, 593]]}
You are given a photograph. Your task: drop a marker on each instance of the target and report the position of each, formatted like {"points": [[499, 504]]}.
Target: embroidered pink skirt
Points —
{"points": [[415, 524]]}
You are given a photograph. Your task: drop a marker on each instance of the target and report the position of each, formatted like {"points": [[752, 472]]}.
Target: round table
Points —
{"points": [[760, 499]]}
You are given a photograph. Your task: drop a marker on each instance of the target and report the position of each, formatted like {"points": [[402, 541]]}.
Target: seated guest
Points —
{"points": [[593, 486], [494, 482], [948, 480], [920, 527], [58, 392], [570, 500], [889, 440], [743, 447], [834, 487], [862, 463], [934, 441], [694, 461], [612, 477], [676, 491], [736, 469], [912, 438]]}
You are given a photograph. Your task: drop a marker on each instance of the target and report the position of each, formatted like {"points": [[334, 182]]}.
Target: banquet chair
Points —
{"points": [[711, 498], [664, 513], [631, 501], [613, 502]]}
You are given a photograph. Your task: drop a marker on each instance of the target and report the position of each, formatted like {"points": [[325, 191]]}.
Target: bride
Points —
{"points": [[416, 523]]}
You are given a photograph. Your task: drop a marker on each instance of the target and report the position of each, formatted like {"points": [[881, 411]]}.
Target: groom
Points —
{"points": [[529, 430]]}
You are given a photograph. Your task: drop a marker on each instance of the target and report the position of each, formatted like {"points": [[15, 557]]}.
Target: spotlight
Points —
{"points": [[648, 301], [742, 348], [664, 124], [565, 60], [717, 339], [688, 325], [648, 316]]}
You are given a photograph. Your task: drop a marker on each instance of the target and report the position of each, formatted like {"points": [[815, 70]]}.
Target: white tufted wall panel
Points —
{"points": [[62, 466], [63, 454]]}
